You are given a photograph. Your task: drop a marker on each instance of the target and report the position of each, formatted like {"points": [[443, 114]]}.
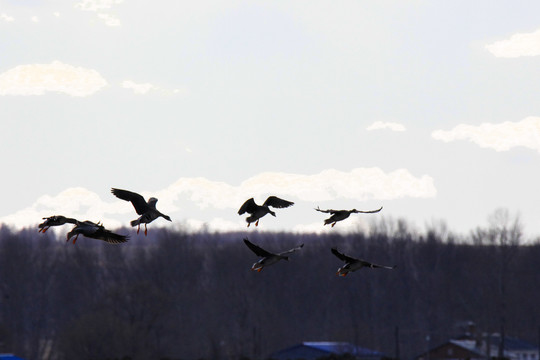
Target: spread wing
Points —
{"points": [[343, 257], [329, 211], [368, 211], [256, 249], [375, 266], [109, 236], [137, 200], [292, 250], [249, 206], [97, 231], [276, 202]]}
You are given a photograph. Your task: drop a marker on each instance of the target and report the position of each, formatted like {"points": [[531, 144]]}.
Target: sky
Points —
{"points": [[428, 108]]}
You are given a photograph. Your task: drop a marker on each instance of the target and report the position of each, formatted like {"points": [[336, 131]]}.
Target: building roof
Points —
{"points": [[470, 345], [9, 357], [513, 344], [480, 349], [316, 349]]}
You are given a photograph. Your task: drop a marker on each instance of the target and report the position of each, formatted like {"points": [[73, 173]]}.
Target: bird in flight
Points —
{"points": [[338, 215], [97, 231], [353, 264], [268, 258], [86, 228], [258, 211], [55, 220], [147, 210]]}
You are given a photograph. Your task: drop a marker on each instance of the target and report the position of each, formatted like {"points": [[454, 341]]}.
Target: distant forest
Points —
{"points": [[178, 295]]}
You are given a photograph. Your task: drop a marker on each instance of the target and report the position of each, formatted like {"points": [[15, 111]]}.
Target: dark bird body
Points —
{"points": [[338, 215], [95, 231], [85, 228], [147, 210], [353, 264], [258, 211], [268, 258]]}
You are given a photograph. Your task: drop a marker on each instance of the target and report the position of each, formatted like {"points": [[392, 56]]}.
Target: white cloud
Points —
{"points": [[109, 19], [6, 18], [521, 44], [500, 137], [34, 19], [78, 203], [358, 184], [380, 125], [37, 79], [138, 88], [98, 6], [145, 88]]}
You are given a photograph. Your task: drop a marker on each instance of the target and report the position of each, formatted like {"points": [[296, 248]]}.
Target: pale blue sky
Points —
{"points": [[205, 104]]}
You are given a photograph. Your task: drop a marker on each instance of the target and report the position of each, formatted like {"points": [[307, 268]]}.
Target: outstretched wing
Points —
{"points": [[256, 249], [137, 200], [249, 206], [97, 231], [292, 250], [276, 202], [368, 211], [109, 236], [329, 211], [375, 266], [343, 257]]}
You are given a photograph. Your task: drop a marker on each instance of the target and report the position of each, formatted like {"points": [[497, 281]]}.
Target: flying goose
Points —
{"points": [[352, 264], [268, 258], [147, 210], [338, 215], [258, 211], [55, 220], [95, 231]]}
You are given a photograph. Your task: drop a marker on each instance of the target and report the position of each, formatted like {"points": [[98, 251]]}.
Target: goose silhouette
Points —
{"points": [[268, 258], [353, 264], [147, 210], [258, 211]]}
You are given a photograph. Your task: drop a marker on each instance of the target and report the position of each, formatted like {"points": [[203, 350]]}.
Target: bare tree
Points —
{"points": [[178, 295]]}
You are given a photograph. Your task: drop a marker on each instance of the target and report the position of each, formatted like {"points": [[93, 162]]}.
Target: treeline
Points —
{"points": [[174, 295]]}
